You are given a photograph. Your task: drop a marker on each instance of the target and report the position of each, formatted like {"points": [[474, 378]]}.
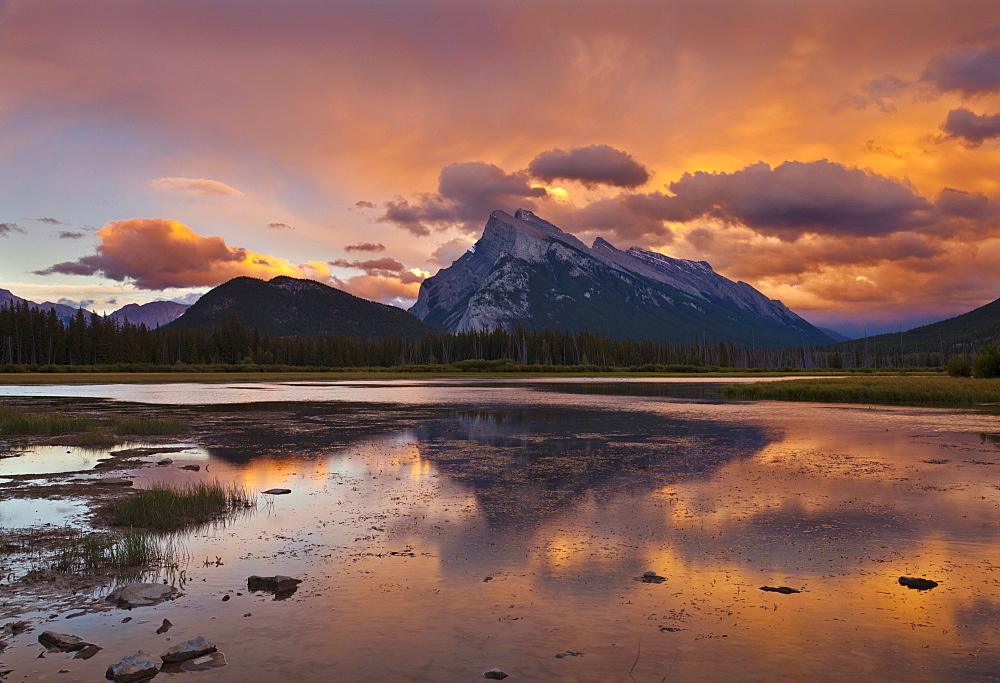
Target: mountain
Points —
{"points": [[526, 271], [152, 314], [960, 334], [833, 334], [63, 312], [289, 307]]}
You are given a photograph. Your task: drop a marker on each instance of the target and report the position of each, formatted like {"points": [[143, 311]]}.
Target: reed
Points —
{"points": [[127, 551], [22, 422], [939, 390], [167, 507]]}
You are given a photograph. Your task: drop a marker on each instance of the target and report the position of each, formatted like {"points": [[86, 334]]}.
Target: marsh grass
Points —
{"points": [[939, 390], [21, 422], [131, 552], [165, 507]]}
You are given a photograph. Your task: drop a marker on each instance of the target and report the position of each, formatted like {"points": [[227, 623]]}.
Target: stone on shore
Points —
{"points": [[141, 594], [137, 667], [189, 649], [61, 642], [275, 584]]}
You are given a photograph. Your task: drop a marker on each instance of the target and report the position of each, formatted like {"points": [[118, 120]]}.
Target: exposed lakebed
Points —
{"points": [[444, 528]]}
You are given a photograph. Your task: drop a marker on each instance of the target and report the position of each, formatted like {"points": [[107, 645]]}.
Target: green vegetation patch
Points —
{"points": [[24, 422], [884, 390], [164, 508], [127, 551]]}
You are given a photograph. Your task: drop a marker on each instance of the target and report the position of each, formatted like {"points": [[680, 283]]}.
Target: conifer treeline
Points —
{"points": [[38, 339]]}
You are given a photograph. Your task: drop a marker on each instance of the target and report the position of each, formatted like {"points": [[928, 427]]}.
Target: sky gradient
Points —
{"points": [[839, 155]]}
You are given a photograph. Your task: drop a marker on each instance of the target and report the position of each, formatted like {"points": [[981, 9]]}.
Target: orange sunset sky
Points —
{"points": [[840, 155]]}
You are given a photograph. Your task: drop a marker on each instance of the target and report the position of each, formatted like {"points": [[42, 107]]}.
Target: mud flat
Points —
{"points": [[465, 527]]}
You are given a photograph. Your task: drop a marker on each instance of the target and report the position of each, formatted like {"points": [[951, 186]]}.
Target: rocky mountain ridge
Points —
{"points": [[526, 271]]}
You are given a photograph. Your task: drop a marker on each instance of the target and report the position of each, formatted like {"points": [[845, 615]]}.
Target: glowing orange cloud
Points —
{"points": [[158, 253]]}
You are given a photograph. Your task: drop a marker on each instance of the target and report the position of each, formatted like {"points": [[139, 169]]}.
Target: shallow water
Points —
{"points": [[407, 497]]}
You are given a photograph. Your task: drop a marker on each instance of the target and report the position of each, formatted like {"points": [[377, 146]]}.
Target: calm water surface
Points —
{"points": [[445, 528]]}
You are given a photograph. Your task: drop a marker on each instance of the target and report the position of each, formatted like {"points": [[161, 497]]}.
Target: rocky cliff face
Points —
{"points": [[526, 271]]}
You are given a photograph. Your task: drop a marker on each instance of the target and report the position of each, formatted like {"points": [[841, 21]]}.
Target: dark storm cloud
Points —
{"points": [[593, 165], [467, 194], [970, 70], [971, 128], [365, 246], [8, 228], [793, 199]]}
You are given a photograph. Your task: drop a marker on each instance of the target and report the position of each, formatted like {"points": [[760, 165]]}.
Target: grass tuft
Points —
{"points": [[166, 507], [880, 390], [101, 552], [21, 422]]}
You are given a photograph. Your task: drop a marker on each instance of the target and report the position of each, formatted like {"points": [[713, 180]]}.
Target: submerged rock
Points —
{"points": [[213, 660], [916, 583], [495, 674], [784, 590], [61, 642], [274, 584], [189, 649], [165, 462], [193, 468], [88, 652], [277, 492], [141, 594], [651, 577], [137, 667]]}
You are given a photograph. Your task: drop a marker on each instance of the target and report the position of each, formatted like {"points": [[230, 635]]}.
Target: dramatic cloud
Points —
{"points": [[594, 165], [793, 199], [365, 246], [194, 186], [448, 252], [374, 267], [280, 226], [156, 253], [971, 128], [70, 235], [880, 92], [467, 194], [50, 221], [967, 70], [8, 228]]}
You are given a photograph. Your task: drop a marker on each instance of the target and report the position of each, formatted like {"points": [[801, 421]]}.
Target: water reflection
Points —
{"points": [[461, 535]]}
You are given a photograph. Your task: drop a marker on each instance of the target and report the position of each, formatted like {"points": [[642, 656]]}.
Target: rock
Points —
{"points": [[88, 652], [917, 583], [213, 660], [193, 468], [189, 649], [164, 627], [784, 590], [274, 584], [495, 674], [487, 579], [226, 597], [114, 481], [137, 667], [651, 577], [61, 642], [141, 594], [277, 492], [15, 628], [165, 462]]}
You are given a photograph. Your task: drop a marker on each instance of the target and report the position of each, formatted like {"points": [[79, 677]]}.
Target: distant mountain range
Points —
{"points": [[151, 314], [960, 334], [526, 271], [63, 312], [289, 307]]}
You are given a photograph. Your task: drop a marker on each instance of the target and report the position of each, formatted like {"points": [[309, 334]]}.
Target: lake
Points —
{"points": [[442, 528]]}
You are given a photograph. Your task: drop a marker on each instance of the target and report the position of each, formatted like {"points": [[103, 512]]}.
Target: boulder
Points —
{"points": [[137, 667], [61, 642], [189, 649], [495, 674], [917, 583], [141, 594], [275, 584]]}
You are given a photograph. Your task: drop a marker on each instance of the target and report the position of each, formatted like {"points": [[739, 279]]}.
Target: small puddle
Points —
{"points": [[17, 513]]}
